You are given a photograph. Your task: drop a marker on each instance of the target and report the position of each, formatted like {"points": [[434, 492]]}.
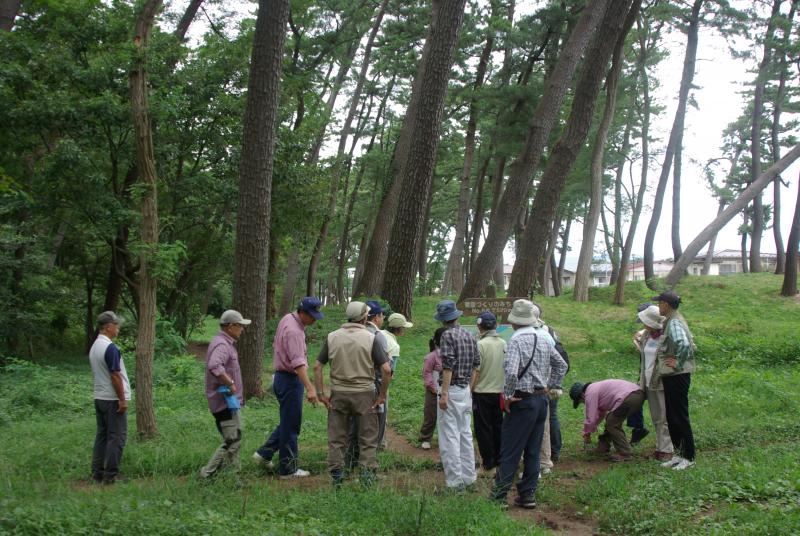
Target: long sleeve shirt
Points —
{"points": [[222, 358], [459, 351], [602, 397], [431, 369], [547, 367]]}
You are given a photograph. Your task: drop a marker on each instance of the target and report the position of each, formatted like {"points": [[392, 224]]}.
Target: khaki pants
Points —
{"points": [[658, 413], [227, 455], [544, 452], [343, 406], [613, 432]]}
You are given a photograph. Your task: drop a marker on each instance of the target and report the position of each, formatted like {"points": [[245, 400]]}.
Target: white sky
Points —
{"points": [[719, 81]]}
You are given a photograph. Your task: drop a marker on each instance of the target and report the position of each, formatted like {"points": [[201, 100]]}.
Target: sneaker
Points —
{"points": [[527, 501], [675, 460], [638, 434], [545, 471], [262, 461], [662, 456], [684, 464], [426, 445], [299, 473]]}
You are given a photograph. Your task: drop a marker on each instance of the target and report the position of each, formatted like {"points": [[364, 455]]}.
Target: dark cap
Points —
{"points": [[576, 391], [311, 305], [487, 320], [375, 309], [672, 299]]}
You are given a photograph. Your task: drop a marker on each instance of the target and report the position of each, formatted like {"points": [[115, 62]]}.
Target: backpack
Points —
{"points": [[559, 347]]}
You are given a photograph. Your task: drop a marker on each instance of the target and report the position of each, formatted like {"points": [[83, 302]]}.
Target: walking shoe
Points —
{"points": [[602, 448], [526, 501], [617, 457], [638, 434], [662, 456], [672, 462], [299, 473], [262, 461], [684, 464], [426, 445], [545, 471]]}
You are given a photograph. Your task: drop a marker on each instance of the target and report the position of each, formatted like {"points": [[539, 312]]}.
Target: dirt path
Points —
{"points": [[197, 349]]}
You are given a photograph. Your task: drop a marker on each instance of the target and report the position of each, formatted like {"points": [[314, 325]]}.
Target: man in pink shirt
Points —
{"points": [[613, 399], [290, 359]]}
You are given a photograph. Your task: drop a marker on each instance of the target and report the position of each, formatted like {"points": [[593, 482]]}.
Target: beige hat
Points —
{"points": [[357, 311], [233, 317], [651, 317], [396, 320], [524, 313]]}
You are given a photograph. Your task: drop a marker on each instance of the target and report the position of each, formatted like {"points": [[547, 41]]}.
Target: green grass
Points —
{"points": [[744, 402]]}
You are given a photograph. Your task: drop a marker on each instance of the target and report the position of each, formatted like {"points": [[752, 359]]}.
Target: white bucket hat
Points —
{"points": [[524, 313], [650, 317]]}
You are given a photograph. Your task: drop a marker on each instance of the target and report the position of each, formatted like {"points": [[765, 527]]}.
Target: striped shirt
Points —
{"points": [[547, 367]]}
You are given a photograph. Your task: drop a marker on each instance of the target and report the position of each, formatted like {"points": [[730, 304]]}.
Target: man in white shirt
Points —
{"points": [[112, 391]]}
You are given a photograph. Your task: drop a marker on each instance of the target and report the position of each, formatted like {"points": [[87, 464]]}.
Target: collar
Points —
{"points": [[300, 322], [489, 333], [227, 337], [527, 330], [104, 337], [353, 325]]}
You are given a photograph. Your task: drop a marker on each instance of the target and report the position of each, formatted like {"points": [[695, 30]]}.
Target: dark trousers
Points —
{"points": [[488, 427], [112, 431], [555, 431], [613, 433], [636, 420], [523, 429], [428, 416], [289, 391], [676, 400]]}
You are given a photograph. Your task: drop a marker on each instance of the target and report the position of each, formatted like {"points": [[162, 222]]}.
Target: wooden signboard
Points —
{"points": [[499, 306]]}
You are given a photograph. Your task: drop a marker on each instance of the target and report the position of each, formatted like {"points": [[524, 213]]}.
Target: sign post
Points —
{"points": [[501, 307]]}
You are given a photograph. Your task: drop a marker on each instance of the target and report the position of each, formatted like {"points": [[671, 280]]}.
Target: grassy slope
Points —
{"points": [[744, 403]]}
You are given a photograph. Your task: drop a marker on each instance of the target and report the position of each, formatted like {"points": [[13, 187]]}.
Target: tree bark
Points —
{"points": [[617, 245], [422, 252], [186, 19], [454, 275], [734, 208], [676, 197], [339, 163], [145, 161], [292, 273], [566, 150], [497, 191], [757, 228], [8, 12], [547, 110], [562, 259], [687, 76], [477, 220], [580, 292], [789, 287], [710, 252], [255, 185], [418, 174]]}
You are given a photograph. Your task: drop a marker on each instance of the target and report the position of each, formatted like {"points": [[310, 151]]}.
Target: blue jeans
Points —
{"points": [[636, 420], [289, 391], [523, 429], [555, 431]]}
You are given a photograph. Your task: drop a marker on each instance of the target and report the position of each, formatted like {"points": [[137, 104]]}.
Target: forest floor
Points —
{"points": [[744, 406]]}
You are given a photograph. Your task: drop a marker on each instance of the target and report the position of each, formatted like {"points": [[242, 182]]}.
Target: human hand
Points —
{"points": [[554, 394], [122, 406], [443, 401], [508, 402], [325, 400], [311, 396], [671, 362], [378, 401], [233, 388]]}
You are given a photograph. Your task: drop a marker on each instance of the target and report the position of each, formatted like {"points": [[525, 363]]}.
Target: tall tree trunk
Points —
{"points": [[687, 76], [614, 26], [422, 252], [255, 186], [454, 275], [370, 282], [292, 275], [497, 191], [339, 163], [636, 210], [477, 221], [580, 292], [272, 280], [145, 161], [8, 12], [710, 252], [187, 18], [757, 228], [676, 197], [547, 110], [743, 246], [617, 244], [727, 215], [789, 287], [562, 259], [550, 282], [418, 174]]}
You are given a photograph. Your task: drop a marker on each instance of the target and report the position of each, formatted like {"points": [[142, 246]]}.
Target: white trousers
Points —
{"points": [[455, 438], [658, 413]]}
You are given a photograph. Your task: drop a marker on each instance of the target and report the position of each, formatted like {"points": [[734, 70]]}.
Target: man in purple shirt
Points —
{"points": [[615, 400], [223, 372], [290, 358]]}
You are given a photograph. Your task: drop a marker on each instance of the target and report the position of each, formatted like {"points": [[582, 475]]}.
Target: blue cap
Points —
{"points": [[487, 320], [446, 310], [311, 305], [375, 308]]}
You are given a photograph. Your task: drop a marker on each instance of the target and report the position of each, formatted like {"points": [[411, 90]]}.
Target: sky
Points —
{"points": [[719, 84]]}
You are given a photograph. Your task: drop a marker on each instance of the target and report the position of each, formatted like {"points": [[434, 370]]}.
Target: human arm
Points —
{"points": [[427, 372], [311, 392], [119, 388], [386, 377], [476, 374], [322, 358], [679, 344], [447, 376], [215, 364], [593, 415]]}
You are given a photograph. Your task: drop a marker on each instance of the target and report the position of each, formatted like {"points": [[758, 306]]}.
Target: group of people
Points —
{"points": [[512, 389]]}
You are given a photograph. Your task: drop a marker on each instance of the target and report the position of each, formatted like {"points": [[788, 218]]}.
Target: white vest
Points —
{"points": [[103, 388]]}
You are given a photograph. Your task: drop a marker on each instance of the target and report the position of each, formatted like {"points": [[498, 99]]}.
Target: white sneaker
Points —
{"points": [[300, 473], [684, 464], [673, 462], [545, 471], [426, 445], [260, 460]]}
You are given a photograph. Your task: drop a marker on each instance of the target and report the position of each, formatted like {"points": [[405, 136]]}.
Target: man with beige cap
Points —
{"points": [[354, 354], [224, 391], [532, 366]]}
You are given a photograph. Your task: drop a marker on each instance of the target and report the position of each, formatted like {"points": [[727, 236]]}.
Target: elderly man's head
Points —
{"points": [[108, 324]]}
